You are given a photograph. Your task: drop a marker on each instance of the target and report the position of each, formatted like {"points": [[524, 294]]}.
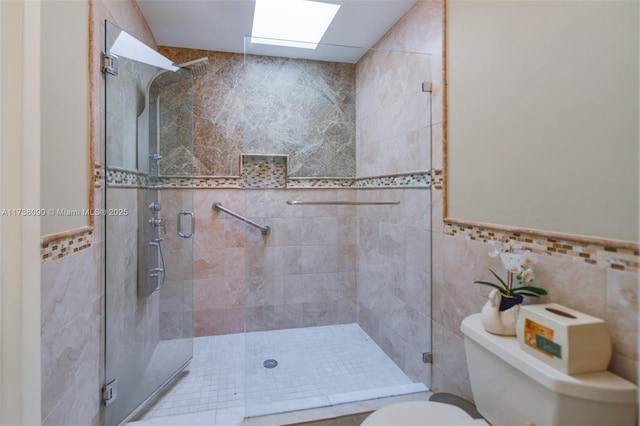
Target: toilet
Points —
{"points": [[511, 387]]}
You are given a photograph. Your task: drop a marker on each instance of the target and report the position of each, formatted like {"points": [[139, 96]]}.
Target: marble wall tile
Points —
{"points": [[418, 248], [176, 116], [308, 260], [394, 134], [208, 264], [393, 345], [261, 290], [290, 231], [411, 31], [450, 362], [574, 284], [209, 322], [267, 105], [70, 285], [622, 319], [456, 297], [625, 367], [70, 344], [622, 296], [71, 365], [260, 318], [418, 290], [127, 16], [341, 311], [318, 259], [321, 89]]}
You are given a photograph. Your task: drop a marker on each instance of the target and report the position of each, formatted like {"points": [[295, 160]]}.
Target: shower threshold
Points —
{"points": [[316, 367]]}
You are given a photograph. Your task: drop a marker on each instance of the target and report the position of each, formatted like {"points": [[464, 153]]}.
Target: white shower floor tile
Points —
{"points": [[317, 366]]}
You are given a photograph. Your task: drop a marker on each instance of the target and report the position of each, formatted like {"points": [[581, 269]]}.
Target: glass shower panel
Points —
{"points": [[337, 298], [148, 274]]}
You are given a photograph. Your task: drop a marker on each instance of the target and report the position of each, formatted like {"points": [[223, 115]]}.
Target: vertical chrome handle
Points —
{"points": [[193, 224]]}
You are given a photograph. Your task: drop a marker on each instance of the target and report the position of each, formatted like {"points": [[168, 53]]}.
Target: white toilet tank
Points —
{"points": [[511, 387]]}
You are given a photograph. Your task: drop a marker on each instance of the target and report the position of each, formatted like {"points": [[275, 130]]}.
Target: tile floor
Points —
{"points": [[317, 366]]}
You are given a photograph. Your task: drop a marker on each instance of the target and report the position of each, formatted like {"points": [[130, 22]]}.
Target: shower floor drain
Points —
{"points": [[270, 363]]}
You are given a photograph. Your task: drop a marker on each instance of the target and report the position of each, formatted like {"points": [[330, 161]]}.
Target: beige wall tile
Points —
{"points": [[621, 312]]}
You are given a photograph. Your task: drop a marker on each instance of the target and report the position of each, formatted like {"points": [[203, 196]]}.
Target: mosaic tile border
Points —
{"points": [[116, 177], [201, 182], [260, 171], [437, 176], [60, 247], [623, 259], [413, 179], [98, 176], [401, 180], [259, 178], [311, 182]]}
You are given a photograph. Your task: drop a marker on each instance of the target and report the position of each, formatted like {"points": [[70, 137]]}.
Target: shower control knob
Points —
{"points": [[154, 272], [158, 222], [155, 207]]}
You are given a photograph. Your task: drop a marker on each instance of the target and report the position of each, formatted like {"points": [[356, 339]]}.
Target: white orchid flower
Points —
{"points": [[528, 259], [527, 275], [495, 252], [511, 262]]}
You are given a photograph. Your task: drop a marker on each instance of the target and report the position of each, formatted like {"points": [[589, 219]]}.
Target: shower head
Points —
{"points": [[197, 67]]}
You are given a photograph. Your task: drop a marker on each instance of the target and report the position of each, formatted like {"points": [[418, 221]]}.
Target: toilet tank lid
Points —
{"points": [[602, 386]]}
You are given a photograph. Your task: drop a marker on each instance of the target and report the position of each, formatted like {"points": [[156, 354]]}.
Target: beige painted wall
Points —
{"points": [[19, 188], [543, 115], [65, 170]]}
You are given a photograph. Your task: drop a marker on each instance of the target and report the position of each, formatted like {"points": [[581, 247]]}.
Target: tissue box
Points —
{"points": [[568, 340]]}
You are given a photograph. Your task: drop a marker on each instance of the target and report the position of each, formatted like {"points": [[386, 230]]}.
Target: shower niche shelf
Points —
{"points": [[260, 171]]}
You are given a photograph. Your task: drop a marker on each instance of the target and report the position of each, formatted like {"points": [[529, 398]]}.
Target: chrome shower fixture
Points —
{"points": [[197, 66]]}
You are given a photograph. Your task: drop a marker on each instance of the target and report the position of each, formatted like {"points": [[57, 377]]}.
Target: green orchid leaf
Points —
{"points": [[506, 287], [537, 290], [491, 285], [525, 293]]}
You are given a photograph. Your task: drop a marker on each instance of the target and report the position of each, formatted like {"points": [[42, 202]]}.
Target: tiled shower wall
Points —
{"points": [[304, 273], [265, 105], [394, 135], [301, 274]]}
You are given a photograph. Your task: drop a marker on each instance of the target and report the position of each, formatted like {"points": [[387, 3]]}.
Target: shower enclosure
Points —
{"points": [[149, 227], [333, 304]]}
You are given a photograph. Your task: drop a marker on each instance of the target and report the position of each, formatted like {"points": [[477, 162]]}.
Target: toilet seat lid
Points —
{"points": [[420, 413]]}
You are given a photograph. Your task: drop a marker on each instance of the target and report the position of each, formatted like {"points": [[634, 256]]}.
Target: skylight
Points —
{"points": [[294, 23]]}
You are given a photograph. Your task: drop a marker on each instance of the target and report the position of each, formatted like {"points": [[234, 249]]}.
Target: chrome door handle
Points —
{"points": [[193, 224]]}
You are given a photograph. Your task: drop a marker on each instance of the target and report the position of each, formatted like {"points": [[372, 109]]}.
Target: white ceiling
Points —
{"points": [[222, 25]]}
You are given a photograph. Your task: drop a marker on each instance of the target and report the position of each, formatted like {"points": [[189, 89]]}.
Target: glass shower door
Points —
{"points": [[148, 223], [337, 296]]}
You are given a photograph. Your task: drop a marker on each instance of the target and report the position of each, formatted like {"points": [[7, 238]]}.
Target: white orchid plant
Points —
{"points": [[519, 263]]}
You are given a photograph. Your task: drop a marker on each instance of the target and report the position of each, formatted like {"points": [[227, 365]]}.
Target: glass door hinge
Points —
{"points": [[110, 392], [427, 358], [109, 63]]}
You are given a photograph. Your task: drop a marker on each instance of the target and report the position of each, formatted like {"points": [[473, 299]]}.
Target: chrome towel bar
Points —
{"points": [[217, 206], [342, 203]]}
